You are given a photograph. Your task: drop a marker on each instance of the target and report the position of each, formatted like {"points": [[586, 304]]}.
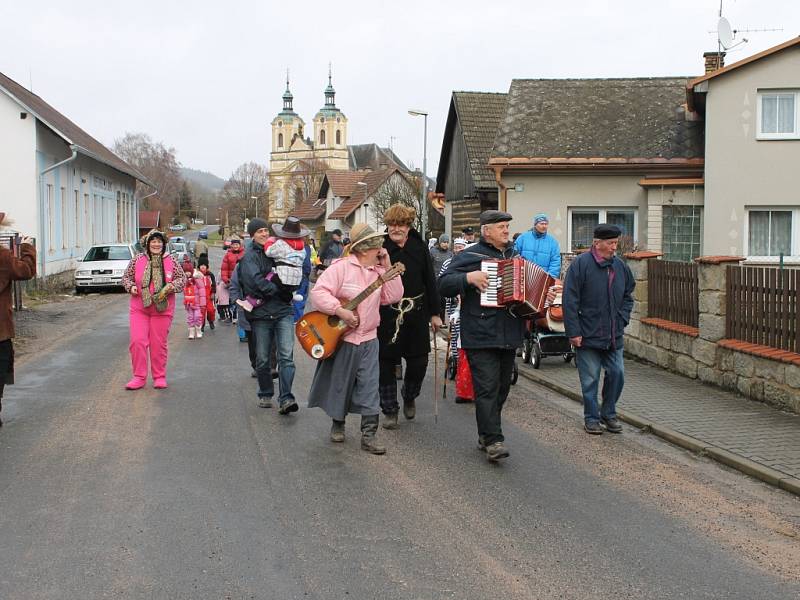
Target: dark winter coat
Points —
{"points": [[481, 326], [597, 300], [277, 297], [419, 279]]}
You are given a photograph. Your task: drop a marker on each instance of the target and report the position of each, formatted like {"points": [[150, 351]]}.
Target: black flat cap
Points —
{"points": [[604, 231], [494, 216], [468, 229]]}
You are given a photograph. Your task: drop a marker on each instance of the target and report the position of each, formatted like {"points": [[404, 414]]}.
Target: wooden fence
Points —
{"points": [[762, 306], [672, 291]]}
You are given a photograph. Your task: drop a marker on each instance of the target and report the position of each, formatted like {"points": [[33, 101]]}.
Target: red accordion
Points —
{"points": [[517, 284]]}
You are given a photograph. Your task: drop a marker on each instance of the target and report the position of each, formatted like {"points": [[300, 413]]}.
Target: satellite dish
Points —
{"points": [[724, 33]]}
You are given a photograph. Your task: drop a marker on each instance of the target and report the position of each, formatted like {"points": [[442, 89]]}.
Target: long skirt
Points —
{"points": [[347, 382]]}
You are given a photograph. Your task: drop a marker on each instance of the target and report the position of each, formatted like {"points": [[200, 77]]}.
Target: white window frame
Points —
{"points": [[795, 243], [601, 216], [760, 135]]}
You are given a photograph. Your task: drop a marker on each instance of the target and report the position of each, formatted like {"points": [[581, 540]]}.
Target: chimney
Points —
{"points": [[714, 61]]}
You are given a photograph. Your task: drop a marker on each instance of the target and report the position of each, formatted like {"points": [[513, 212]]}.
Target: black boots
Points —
{"points": [[337, 431], [369, 429]]}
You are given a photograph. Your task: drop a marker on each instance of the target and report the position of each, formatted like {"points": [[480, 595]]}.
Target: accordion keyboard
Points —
{"points": [[489, 295]]}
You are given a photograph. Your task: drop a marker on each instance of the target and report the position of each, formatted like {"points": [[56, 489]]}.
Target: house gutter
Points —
{"points": [[41, 253], [502, 200]]}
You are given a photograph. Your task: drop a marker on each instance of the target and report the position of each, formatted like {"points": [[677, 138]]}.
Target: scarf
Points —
{"points": [[154, 273]]}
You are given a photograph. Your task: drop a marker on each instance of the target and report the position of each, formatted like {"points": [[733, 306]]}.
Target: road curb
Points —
{"points": [[730, 459]]}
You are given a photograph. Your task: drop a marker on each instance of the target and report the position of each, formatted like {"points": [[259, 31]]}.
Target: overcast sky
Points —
{"points": [[207, 77]]}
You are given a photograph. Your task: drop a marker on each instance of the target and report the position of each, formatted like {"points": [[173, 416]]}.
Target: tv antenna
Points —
{"points": [[726, 35], [391, 142]]}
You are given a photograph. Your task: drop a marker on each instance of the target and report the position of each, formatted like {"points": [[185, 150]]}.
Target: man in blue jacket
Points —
{"points": [[539, 247], [598, 298], [490, 336]]}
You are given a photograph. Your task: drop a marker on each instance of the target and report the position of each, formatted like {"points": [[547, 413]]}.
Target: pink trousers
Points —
{"points": [[149, 331], [194, 316]]}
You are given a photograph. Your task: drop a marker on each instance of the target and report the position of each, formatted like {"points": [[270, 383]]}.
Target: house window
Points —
{"points": [[583, 222], [338, 137], [77, 216], [770, 232], [87, 219], [681, 231], [64, 210], [777, 118], [280, 140], [51, 218], [322, 137]]}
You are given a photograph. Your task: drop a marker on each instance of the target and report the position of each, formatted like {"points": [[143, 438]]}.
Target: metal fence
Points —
{"points": [[12, 241], [762, 306], [672, 291]]}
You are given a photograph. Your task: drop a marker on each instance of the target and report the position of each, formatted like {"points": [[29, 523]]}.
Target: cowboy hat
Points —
{"points": [[291, 229]]}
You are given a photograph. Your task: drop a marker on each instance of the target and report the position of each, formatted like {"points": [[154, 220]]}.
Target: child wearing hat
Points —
{"points": [[194, 300]]}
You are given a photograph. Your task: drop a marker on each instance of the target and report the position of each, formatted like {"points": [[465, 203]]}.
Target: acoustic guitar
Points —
{"points": [[319, 334]]}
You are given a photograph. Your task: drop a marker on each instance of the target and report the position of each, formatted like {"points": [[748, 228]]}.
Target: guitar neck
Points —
{"points": [[352, 304]]}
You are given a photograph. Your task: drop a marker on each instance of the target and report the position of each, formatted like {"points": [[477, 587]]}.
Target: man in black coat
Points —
{"points": [[403, 331], [489, 336]]}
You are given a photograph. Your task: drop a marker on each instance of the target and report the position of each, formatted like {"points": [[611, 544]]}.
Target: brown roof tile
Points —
{"points": [[359, 194]]}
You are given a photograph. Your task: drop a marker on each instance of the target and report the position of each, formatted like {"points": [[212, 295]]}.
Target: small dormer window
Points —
{"points": [[280, 123]]}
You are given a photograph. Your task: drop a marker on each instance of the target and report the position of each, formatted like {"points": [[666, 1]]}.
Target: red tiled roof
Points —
{"points": [[359, 194], [148, 219], [342, 183], [66, 129], [311, 209]]}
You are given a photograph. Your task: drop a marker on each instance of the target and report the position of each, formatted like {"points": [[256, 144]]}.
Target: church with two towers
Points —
{"points": [[297, 162]]}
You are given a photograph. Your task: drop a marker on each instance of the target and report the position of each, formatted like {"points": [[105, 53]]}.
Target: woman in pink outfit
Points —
{"points": [[152, 279], [347, 382]]}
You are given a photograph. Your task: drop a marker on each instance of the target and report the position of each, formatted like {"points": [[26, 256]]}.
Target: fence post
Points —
{"points": [[711, 288], [637, 261]]}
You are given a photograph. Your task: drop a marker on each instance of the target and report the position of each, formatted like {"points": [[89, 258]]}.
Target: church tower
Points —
{"points": [[330, 131]]}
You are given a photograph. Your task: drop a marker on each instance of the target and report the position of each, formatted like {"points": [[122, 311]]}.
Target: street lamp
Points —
{"points": [[424, 204], [256, 199]]}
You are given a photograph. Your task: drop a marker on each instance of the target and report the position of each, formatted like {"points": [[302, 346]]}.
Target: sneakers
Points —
{"points": [[160, 383], [390, 421], [496, 451], [135, 384], [265, 402], [612, 425], [337, 432], [245, 305], [409, 409], [592, 428], [287, 407]]}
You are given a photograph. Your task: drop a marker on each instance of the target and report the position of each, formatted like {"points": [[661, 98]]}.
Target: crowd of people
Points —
{"points": [[264, 285]]}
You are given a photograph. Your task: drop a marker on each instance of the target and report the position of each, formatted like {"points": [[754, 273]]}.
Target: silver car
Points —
{"points": [[103, 267]]}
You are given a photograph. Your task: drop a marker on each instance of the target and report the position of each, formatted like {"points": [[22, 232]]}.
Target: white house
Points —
{"points": [[60, 185]]}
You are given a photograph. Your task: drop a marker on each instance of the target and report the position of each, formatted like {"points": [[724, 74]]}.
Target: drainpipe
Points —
{"points": [[502, 200], [41, 250]]}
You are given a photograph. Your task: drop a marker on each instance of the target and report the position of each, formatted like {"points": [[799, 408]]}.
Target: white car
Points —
{"points": [[103, 266]]}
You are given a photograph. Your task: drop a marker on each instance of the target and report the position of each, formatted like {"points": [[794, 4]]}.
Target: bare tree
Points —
{"points": [[402, 189], [156, 162], [247, 181], [307, 178]]}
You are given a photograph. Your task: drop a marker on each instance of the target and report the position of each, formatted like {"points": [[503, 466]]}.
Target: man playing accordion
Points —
{"points": [[489, 335]]}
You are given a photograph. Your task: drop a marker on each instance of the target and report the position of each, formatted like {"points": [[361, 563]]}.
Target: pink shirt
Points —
{"points": [[345, 279]]}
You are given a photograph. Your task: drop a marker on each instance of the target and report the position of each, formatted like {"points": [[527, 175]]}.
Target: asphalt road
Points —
{"points": [[195, 492]]}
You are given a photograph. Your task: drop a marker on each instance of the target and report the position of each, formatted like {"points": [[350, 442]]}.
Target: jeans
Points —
{"points": [[590, 361], [283, 330], [491, 377]]}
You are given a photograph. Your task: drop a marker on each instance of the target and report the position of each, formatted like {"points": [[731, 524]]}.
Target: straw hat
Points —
{"points": [[360, 233]]}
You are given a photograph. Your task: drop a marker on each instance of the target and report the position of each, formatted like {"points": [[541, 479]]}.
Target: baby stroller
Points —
{"points": [[546, 337]]}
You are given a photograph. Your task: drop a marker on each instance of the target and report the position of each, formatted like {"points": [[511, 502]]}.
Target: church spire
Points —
{"points": [[287, 97], [330, 93]]}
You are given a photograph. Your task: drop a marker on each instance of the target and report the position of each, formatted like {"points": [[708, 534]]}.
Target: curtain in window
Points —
{"points": [[623, 220], [583, 224], [786, 114], [769, 116], [770, 233]]}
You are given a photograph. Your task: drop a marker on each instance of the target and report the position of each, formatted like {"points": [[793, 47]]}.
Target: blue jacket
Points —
{"points": [[597, 300], [542, 249]]}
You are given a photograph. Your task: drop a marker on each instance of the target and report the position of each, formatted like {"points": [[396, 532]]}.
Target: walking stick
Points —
{"points": [[435, 378], [447, 364]]}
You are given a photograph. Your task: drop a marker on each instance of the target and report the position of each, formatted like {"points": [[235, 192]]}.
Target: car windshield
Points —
{"points": [[107, 253], [178, 247]]}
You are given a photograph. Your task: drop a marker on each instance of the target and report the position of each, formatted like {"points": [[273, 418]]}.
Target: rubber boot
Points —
{"points": [[198, 332], [337, 431], [369, 430], [191, 332]]}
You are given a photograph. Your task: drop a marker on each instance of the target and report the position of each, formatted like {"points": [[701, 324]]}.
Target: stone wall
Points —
{"points": [[703, 353]]}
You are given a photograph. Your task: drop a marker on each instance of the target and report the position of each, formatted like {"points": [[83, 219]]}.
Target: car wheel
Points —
{"points": [[78, 291], [526, 351]]}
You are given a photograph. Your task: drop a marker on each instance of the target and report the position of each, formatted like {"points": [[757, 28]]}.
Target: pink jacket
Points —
{"points": [[133, 276], [344, 280]]}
